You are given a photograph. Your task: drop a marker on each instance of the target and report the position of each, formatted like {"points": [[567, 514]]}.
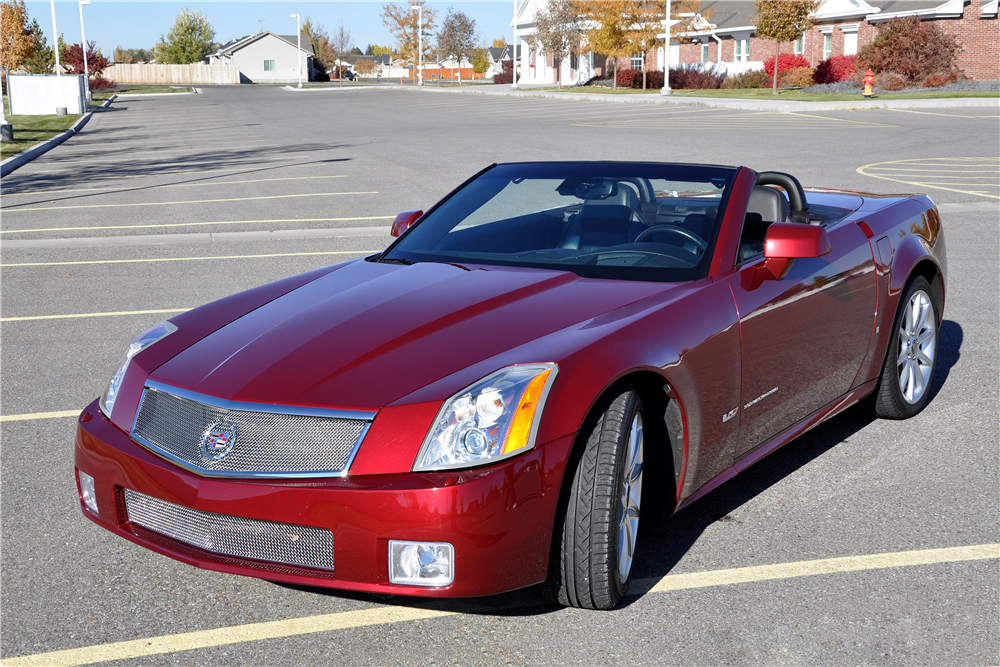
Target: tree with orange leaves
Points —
{"points": [[15, 37]]}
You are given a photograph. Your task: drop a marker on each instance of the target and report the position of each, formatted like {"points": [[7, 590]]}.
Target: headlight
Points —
{"points": [[138, 344], [493, 419]]}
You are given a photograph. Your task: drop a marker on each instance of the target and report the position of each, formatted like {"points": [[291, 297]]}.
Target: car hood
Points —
{"points": [[370, 333]]}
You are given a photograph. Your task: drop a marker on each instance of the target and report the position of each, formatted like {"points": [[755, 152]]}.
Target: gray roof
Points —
{"points": [[728, 14], [238, 44]]}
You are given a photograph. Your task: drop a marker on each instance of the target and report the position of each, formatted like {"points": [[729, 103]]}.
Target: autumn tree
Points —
{"points": [[558, 32], [15, 35], [189, 40], [783, 21], [480, 61], [311, 31], [365, 67], [402, 20], [607, 28], [342, 45], [457, 38], [72, 60], [376, 50], [128, 56], [499, 43], [41, 58]]}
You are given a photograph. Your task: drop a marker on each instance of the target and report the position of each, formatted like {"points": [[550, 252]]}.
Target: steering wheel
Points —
{"points": [[673, 229]]}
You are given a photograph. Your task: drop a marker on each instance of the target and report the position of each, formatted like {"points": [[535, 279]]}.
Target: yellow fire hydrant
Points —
{"points": [[869, 82]]}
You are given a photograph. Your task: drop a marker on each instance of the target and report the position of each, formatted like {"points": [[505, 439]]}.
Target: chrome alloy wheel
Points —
{"points": [[917, 347], [631, 497]]}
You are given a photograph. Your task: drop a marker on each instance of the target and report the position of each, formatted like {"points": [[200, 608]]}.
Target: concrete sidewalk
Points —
{"points": [[504, 90]]}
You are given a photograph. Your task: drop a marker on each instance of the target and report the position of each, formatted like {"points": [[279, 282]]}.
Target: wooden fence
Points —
{"points": [[187, 74]]}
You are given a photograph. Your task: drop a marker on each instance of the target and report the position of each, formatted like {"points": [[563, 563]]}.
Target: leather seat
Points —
{"points": [[605, 222], [769, 203]]}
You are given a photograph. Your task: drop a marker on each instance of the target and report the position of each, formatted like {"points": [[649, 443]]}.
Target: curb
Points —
{"points": [[326, 89], [720, 102], [194, 91], [24, 157]]}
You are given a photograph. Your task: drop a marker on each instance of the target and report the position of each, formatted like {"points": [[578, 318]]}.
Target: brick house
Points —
{"points": [[727, 39]]}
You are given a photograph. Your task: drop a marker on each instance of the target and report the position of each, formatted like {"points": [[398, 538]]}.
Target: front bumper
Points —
{"points": [[499, 518]]}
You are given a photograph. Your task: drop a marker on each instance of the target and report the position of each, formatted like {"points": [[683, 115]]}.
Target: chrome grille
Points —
{"points": [[232, 535], [270, 441]]}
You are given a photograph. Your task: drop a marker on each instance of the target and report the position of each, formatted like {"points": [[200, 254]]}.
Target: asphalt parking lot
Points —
{"points": [[165, 203]]}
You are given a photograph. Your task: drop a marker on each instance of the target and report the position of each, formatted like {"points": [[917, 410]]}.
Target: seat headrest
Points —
{"points": [[769, 203]]}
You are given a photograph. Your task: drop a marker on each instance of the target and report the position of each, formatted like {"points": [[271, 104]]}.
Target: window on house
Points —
{"points": [[637, 62], [269, 66], [798, 46], [850, 42], [743, 50], [827, 45], [704, 53]]}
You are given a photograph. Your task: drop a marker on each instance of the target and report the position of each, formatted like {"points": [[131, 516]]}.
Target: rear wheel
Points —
{"points": [[594, 566], [908, 371]]}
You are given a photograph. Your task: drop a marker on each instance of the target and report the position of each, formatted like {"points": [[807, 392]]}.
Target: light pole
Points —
{"points": [[420, 40], [83, 38], [298, 39], [513, 52], [666, 55], [55, 32]]}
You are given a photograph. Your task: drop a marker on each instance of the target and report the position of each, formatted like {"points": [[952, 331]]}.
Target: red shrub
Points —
{"points": [[100, 83], [507, 76], [836, 68], [938, 80], [72, 59], [691, 77], [910, 47], [625, 77], [785, 61]]}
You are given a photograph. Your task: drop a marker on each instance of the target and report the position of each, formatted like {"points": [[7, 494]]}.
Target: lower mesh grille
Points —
{"points": [[233, 535]]}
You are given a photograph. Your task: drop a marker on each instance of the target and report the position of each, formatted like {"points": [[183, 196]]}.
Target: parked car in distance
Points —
{"points": [[496, 400]]}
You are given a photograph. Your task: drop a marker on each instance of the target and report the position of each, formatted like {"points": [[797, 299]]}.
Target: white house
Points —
{"points": [[267, 58]]}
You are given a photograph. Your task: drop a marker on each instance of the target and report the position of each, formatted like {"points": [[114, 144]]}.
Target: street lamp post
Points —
{"points": [[55, 32], [420, 41], [513, 52], [83, 37], [298, 39], [666, 55]]}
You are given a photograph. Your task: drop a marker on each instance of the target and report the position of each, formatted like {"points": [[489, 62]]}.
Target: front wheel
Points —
{"points": [[908, 371], [594, 566]]}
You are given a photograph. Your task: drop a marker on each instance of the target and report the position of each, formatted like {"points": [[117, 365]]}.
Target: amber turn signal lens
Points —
{"points": [[521, 427]]}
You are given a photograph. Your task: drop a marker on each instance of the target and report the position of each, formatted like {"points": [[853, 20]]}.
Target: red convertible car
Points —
{"points": [[495, 400]]}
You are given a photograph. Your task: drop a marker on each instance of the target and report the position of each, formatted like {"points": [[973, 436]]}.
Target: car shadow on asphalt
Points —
{"points": [[662, 544]]}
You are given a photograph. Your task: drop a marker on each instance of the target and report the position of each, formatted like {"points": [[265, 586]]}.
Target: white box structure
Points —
{"points": [[41, 94]]}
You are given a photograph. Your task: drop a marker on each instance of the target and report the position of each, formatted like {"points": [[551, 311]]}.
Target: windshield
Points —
{"points": [[615, 220]]}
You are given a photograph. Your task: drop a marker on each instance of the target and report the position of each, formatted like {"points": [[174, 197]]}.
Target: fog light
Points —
{"points": [[421, 563], [87, 492]]}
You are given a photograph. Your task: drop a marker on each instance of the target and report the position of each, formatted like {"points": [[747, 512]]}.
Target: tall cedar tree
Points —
{"points": [[783, 21], [457, 38], [913, 48], [189, 41], [323, 51], [401, 20], [558, 31], [42, 58]]}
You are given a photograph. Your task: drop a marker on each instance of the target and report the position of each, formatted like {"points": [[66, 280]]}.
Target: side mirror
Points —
{"points": [[786, 241], [404, 221]]}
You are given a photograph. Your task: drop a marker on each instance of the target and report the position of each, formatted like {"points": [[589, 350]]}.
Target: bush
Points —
{"points": [[938, 80], [756, 78], [99, 83], [654, 79], [836, 68], [911, 48], [507, 76], [786, 61], [688, 77], [625, 77], [797, 77], [890, 81]]}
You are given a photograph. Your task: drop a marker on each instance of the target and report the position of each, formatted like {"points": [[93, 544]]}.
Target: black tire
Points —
{"points": [[889, 401], [585, 568]]}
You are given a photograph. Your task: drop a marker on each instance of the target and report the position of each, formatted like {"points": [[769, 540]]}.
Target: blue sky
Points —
{"points": [[133, 24]]}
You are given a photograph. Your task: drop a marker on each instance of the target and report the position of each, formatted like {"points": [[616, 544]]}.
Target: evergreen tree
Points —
{"points": [[189, 41]]}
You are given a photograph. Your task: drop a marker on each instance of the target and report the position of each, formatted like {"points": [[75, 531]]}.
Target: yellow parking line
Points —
{"points": [[192, 224], [191, 259], [31, 318], [38, 415], [809, 568], [112, 190], [929, 113], [177, 203], [188, 641]]}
